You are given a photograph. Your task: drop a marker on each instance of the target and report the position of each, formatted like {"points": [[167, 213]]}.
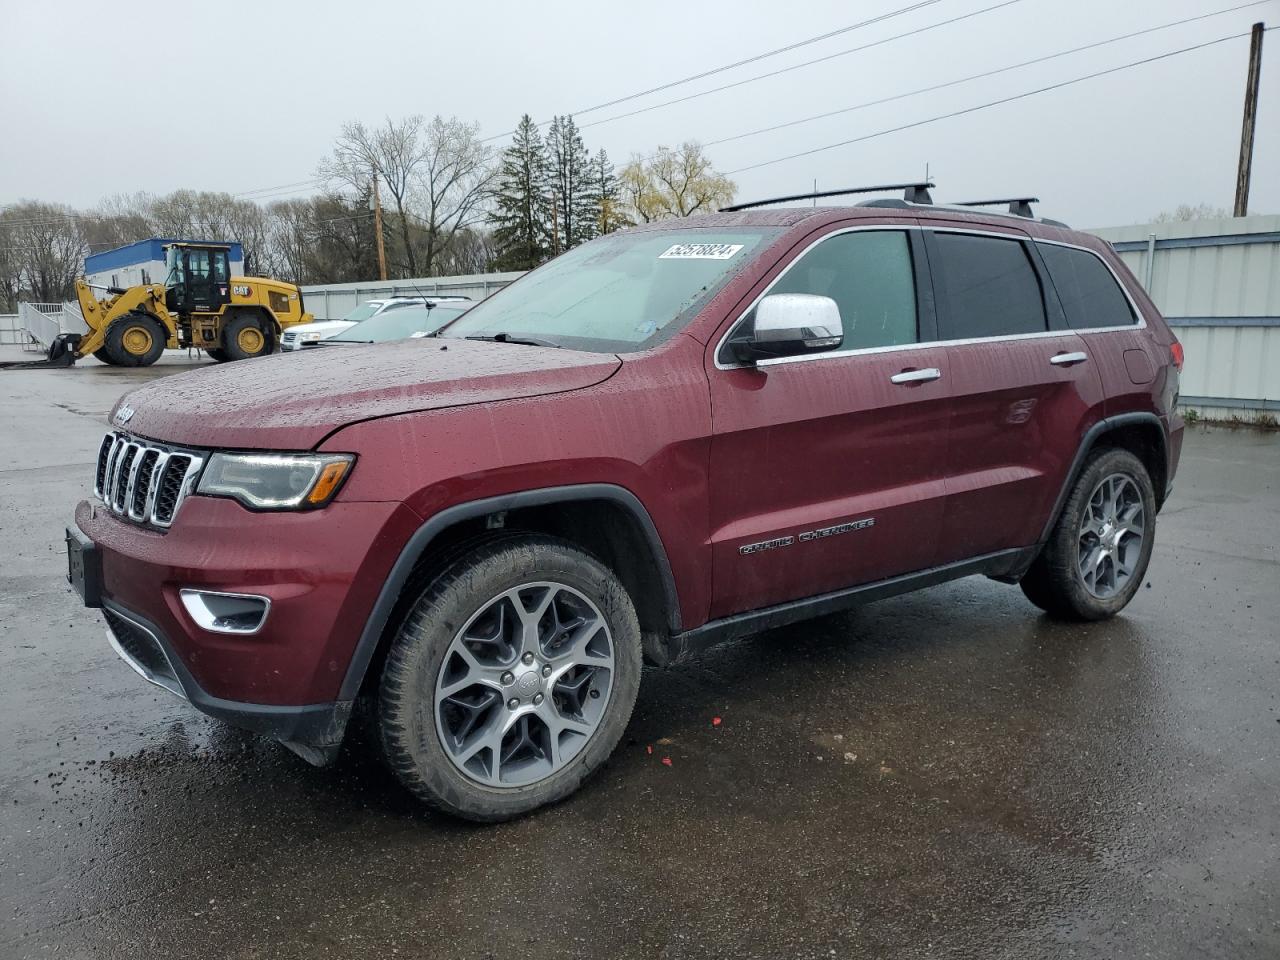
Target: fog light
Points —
{"points": [[241, 613]]}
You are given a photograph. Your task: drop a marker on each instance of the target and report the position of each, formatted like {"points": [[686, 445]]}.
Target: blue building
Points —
{"points": [[143, 262]]}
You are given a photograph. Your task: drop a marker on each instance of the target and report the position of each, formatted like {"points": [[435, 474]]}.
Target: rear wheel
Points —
{"points": [[1099, 549], [217, 355], [135, 340], [245, 335], [510, 679]]}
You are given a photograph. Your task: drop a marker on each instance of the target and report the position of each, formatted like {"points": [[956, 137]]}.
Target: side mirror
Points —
{"points": [[790, 324]]}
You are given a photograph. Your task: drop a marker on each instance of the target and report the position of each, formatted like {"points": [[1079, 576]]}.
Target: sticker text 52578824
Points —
{"points": [[700, 251]]}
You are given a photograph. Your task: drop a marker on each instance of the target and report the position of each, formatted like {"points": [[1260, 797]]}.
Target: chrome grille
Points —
{"points": [[144, 481]]}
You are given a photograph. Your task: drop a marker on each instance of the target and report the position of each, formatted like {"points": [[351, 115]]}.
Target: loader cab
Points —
{"points": [[197, 277]]}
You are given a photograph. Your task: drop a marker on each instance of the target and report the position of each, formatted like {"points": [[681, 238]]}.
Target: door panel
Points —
{"points": [[200, 291], [824, 472], [800, 448], [1016, 417], [1023, 390]]}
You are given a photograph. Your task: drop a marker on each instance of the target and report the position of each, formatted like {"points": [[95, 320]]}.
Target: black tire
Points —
{"points": [[104, 356], [1054, 583], [246, 335], [217, 355], [134, 340], [406, 699]]}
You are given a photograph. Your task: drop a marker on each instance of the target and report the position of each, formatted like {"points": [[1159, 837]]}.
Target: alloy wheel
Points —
{"points": [[524, 684], [1111, 534]]}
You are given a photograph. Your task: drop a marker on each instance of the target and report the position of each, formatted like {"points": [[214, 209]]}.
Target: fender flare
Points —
{"points": [[421, 539], [1104, 426]]}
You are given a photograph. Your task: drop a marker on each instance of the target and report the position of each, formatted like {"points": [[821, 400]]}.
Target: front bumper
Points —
{"points": [[313, 731], [321, 570]]}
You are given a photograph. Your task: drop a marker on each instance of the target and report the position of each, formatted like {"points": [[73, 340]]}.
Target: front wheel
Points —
{"points": [[1097, 554], [510, 679], [245, 336], [217, 355], [135, 340]]}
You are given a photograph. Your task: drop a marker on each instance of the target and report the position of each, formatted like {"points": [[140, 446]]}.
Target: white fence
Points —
{"points": [[11, 331], [1217, 282]]}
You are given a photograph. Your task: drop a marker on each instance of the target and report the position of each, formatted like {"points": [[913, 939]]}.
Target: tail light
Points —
{"points": [[1176, 350]]}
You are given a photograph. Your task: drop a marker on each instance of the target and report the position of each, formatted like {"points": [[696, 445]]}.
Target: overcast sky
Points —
{"points": [[112, 97]]}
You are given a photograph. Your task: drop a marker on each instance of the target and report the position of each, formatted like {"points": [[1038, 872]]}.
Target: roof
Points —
{"points": [[814, 217], [145, 251]]}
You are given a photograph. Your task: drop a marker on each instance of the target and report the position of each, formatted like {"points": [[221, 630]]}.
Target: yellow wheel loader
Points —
{"points": [[199, 305]]}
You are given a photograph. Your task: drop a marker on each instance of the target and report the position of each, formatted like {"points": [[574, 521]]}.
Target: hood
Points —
{"points": [[322, 326], [293, 401]]}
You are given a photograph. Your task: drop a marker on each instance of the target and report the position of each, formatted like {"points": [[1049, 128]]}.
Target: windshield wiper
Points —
{"points": [[508, 338]]}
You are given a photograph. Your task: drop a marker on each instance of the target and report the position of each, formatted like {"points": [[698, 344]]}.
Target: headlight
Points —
{"points": [[311, 336], [276, 481]]}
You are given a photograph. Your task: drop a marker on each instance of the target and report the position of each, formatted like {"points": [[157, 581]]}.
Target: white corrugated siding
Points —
{"points": [[1222, 281]]}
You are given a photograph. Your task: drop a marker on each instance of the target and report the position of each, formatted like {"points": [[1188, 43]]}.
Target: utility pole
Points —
{"points": [[377, 228], [1250, 118]]}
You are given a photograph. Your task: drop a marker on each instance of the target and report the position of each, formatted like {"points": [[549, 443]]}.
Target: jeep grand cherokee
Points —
{"points": [[663, 438]]}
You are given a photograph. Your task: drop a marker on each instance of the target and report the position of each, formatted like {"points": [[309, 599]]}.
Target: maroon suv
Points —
{"points": [[666, 437]]}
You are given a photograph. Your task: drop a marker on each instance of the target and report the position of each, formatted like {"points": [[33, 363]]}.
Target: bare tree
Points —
{"points": [[394, 152], [49, 245], [454, 180], [1186, 211]]}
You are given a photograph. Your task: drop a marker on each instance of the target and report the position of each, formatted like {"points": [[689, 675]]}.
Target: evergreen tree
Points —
{"points": [[608, 208], [522, 214], [575, 219]]}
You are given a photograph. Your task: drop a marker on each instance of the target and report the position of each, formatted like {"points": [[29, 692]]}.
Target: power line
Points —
{"points": [[799, 66], [978, 76], [264, 193], [281, 186], [990, 103], [740, 63]]}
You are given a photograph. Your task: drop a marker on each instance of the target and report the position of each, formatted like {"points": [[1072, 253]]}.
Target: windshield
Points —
{"points": [[399, 324], [173, 266], [362, 312], [622, 292]]}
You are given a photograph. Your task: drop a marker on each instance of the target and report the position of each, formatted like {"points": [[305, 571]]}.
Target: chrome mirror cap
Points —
{"points": [[806, 317], [787, 324]]}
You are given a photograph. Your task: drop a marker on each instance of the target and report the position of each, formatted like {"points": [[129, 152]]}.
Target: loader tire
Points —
{"points": [[246, 335], [135, 340], [104, 356], [217, 355]]}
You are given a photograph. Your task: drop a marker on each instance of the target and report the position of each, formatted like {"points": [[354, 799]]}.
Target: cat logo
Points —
{"points": [[241, 290]]}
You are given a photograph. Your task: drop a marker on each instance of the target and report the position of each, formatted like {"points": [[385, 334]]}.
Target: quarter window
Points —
{"points": [[869, 275], [988, 287], [1088, 291]]}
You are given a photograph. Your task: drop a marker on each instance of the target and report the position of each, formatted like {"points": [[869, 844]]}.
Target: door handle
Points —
{"points": [[916, 376], [1067, 359]]}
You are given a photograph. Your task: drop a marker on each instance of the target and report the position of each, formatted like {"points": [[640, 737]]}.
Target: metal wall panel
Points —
{"points": [[1217, 282]]}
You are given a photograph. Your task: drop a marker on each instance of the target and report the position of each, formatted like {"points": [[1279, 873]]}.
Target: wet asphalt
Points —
{"points": [[947, 774]]}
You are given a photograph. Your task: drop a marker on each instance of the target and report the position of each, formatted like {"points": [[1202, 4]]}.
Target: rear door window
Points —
{"points": [[987, 287], [869, 275], [1086, 287]]}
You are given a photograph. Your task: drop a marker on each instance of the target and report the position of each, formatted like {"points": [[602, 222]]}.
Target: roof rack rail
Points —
{"points": [[912, 192], [1018, 206]]}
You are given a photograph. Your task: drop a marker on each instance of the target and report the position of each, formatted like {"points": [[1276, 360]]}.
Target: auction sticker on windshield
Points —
{"points": [[700, 251]]}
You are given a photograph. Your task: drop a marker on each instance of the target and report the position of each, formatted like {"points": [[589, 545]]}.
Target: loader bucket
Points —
{"points": [[61, 354]]}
